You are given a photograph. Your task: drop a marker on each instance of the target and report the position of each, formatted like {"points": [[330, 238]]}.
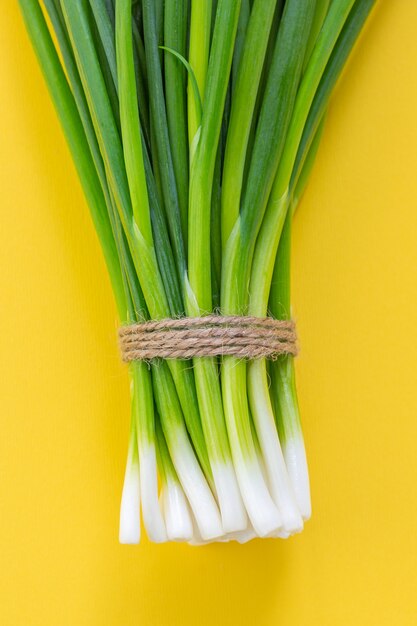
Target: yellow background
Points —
{"points": [[64, 395]]}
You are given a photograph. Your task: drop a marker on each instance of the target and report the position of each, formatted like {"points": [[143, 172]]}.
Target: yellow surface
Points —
{"points": [[64, 395]]}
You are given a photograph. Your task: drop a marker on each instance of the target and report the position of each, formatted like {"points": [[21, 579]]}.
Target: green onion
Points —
{"points": [[267, 510], [194, 127], [198, 283], [283, 386], [266, 251], [199, 47]]}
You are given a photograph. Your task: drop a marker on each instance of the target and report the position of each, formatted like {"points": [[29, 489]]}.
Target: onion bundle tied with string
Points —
{"points": [[193, 125]]}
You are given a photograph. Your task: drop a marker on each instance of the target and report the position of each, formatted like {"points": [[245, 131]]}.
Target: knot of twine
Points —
{"points": [[213, 335]]}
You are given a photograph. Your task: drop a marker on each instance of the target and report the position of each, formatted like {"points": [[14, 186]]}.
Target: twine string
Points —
{"points": [[212, 335]]}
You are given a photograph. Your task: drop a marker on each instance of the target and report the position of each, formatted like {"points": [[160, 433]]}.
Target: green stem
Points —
{"points": [[279, 98], [146, 262], [243, 106], [283, 386], [176, 100], [274, 120], [199, 47], [106, 32], [268, 239], [322, 6], [162, 142], [242, 26], [282, 372], [199, 287], [202, 170], [300, 179]]}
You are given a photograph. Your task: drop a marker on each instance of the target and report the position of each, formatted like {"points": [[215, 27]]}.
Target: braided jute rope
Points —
{"points": [[213, 335]]}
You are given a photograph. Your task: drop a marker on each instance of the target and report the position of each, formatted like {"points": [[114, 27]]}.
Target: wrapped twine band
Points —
{"points": [[212, 335]]}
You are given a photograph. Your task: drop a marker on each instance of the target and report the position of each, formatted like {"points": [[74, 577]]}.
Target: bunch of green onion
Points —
{"points": [[193, 125]]}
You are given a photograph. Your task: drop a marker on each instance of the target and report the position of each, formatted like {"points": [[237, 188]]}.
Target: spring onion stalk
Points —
{"points": [[300, 181], [175, 35], [261, 89], [141, 215], [104, 27], [101, 113], [141, 247], [161, 238], [282, 373], [242, 26], [181, 372], [194, 127], [143, 399], [266, 252], [284, 402], [267, 513], [322, 6], [283, 386], [199, 292], [178, 518], [199, 47], [243, 106], [129, 524], [160, 126]]}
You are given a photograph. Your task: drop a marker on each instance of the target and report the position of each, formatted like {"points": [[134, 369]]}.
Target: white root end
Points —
{"points": [[263, 513], [177, 515], [278, 478], [129, 527], [296, 462], [231, 505], [196, 488], [152, 515], [244, 535]]}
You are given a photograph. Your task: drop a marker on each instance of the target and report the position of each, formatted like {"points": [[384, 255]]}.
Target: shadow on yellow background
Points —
{"points": [[64, 395]]}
